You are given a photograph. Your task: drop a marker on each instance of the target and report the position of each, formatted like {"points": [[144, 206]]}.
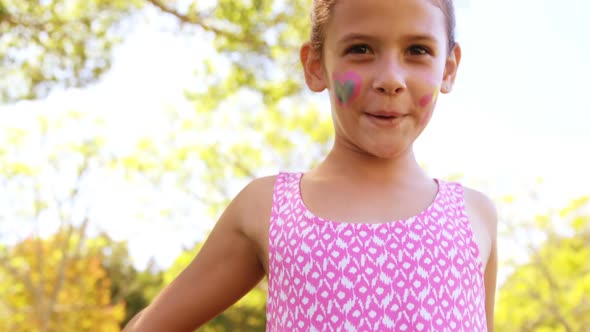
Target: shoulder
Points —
{"points": [[252, 206], [480, 206], [258, 191], [481, 213]]}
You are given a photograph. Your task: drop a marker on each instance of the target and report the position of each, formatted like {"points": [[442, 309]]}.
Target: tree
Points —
{"points": [[257, 40], [129, 285], [58, 43], [58, 283], [43, 292], [68, 43], [58, 187], [551, 292]]}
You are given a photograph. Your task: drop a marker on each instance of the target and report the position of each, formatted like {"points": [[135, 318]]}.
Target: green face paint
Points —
{"points": [[346, 87], [344, 90]]}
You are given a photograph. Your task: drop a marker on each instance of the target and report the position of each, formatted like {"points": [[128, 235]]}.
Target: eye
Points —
{"points": [[359, 49], [419, 50]]}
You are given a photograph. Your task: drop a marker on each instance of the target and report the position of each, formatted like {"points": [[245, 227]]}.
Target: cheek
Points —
{"points": [[347, 87], [429, 98]]}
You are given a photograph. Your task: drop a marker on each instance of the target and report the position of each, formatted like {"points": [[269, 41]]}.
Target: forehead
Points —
{"points": [[387, 17]]}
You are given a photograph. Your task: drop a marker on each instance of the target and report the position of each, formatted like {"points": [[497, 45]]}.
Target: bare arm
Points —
{"points": [[485, 220], [490, 285], [225, 269], [130, 325]]}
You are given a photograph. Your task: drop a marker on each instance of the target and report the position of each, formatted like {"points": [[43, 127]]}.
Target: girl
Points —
{"points": [[366, 241]]}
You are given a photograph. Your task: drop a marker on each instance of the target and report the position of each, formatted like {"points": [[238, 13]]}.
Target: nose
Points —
{"points": [[389, 77]]}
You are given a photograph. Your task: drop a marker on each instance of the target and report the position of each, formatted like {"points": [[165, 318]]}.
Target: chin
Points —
{"points": [[388, 152], [387, 147]]}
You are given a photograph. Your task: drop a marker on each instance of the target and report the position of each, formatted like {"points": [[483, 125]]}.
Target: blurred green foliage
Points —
{"points": [[56, 43], [56, 284], [551, 292]]}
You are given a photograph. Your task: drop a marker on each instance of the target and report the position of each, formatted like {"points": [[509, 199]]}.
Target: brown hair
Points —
{"points": [[321, 12]]}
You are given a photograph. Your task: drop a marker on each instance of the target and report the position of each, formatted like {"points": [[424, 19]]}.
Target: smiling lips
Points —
{"points": [[384, 118], [385, 114]]}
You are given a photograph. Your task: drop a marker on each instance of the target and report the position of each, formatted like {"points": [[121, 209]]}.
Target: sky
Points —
{"points": [[519, 111]]}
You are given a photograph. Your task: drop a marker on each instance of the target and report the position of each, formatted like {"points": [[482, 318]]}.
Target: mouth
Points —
{"points": [[385, 115], [385, 119]]}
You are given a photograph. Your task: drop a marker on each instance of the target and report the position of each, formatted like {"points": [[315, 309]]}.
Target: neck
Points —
{"points": [[357, 166]]}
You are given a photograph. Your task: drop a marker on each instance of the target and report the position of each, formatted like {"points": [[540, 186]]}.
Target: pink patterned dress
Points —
{"points": [[419, 274]]}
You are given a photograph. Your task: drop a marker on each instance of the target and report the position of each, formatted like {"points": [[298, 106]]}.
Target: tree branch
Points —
{"points": [[38, 293], [553, 309], [200, 21], [66, 255], [194, 20], [13, 22], [24, 277], [553, 289]]}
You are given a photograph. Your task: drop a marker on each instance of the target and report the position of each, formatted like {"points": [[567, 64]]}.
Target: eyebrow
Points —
{"points": [[355, 36], [420, 37], [413, 37]]}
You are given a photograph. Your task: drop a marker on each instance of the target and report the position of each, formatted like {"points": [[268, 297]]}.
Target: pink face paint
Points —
{"points": [[428, 99], [347, 87]]}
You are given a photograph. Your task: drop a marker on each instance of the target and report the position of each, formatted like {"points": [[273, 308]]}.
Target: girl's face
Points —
{"points": [[384, 63]]}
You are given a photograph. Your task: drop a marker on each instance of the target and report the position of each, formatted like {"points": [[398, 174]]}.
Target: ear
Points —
{"points": [[313, 68], [451, 67]]}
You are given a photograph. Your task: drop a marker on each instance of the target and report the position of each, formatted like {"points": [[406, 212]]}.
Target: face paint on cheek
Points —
{"points": [[346, 87], [427, 100], [430, 98]]}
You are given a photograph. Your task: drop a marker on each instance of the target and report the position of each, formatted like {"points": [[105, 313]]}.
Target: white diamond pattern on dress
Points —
{"points": [[418, 274]]}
